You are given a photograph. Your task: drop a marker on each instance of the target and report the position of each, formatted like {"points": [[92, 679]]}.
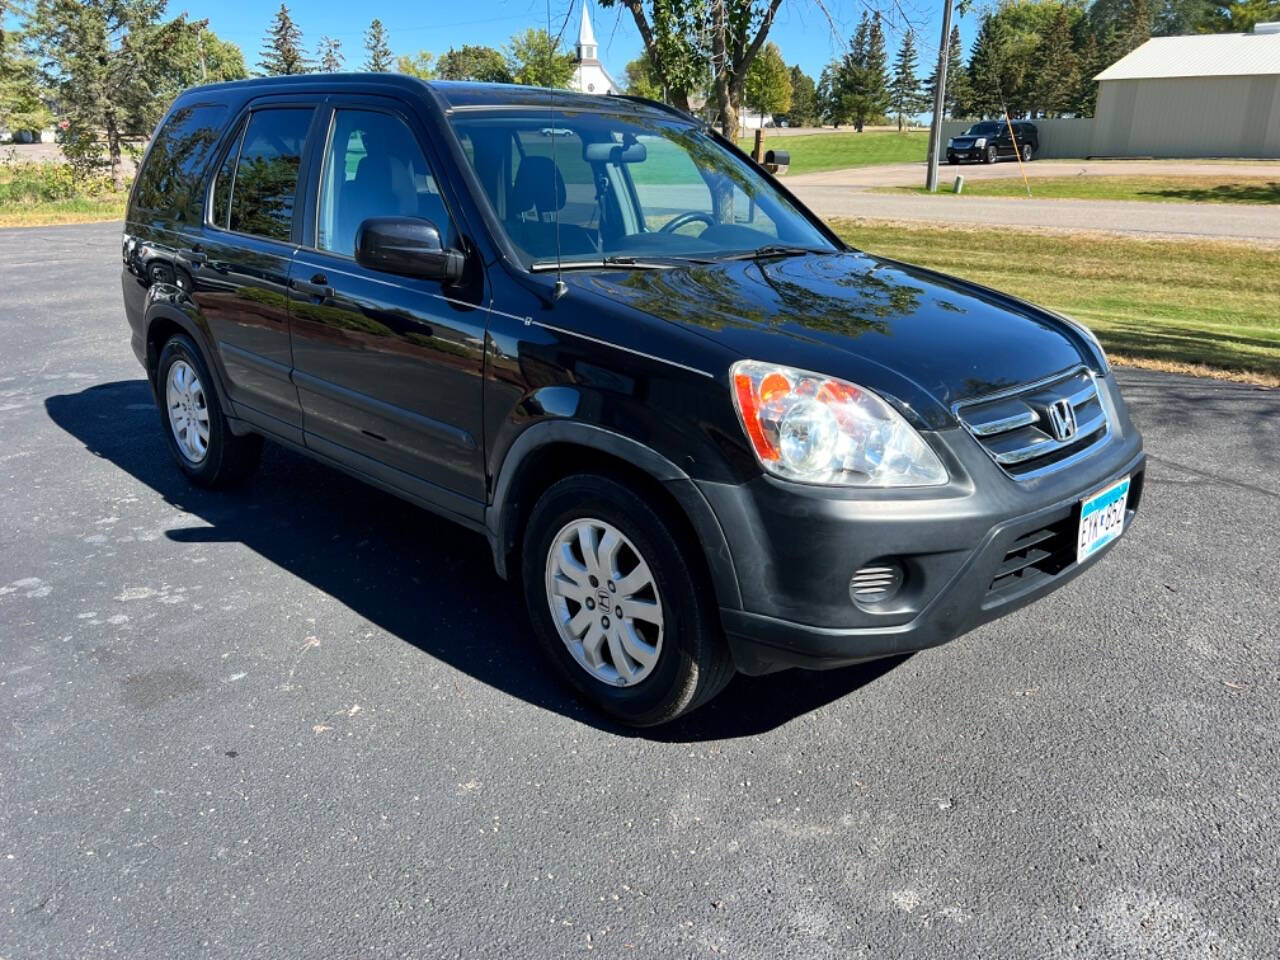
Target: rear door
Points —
{"points": [[388, 368], [240, 270]]}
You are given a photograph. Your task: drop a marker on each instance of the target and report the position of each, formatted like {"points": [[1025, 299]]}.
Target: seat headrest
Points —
{"points": [[538, 185]]}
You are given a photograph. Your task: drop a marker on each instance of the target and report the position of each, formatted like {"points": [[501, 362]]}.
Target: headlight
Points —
{"points": [[1092, 337], [980, 142], [951, 141], [816, 429]]}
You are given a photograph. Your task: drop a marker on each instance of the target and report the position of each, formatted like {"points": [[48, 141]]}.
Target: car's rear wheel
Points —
{"points": [[628, 621], [990, 156], [1027, 153], [198, 434]]}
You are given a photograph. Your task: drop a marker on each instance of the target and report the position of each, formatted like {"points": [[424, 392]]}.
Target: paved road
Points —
{"points": [[912, 174], [1219, 221], [305, 720], [846, 193]]}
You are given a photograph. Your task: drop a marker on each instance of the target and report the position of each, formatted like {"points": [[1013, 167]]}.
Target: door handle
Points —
{"points": [[317, 286], [193, 255]]}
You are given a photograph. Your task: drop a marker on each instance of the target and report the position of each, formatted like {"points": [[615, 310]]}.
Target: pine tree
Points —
{"points": [[21, 107], [987, 68], [958, 93], [904, 90], [375, 42], [1057, 81], [282, 49], [109, 64], [864, 79], [329, 55], [804, 110], [1085, 96]]}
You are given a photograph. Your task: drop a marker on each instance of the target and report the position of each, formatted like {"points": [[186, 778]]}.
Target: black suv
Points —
{"points": [[990, 140], [703, 433]]}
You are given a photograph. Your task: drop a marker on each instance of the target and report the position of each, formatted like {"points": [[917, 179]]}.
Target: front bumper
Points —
{"points": [[796, 548], [956, 154]]}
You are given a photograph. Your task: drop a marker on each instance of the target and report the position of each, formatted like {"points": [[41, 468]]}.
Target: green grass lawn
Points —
{"points": [[1164, 189], [812, 153], [1170, 303], [75, 210]]}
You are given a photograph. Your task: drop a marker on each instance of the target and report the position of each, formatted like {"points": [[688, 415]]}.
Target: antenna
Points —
{"points": [[560, 288]]}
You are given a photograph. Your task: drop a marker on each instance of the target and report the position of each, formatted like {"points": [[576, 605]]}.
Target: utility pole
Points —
{"points": [[204, 73], [939, 98]]}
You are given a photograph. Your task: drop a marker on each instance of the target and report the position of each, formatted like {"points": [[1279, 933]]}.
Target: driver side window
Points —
{"points": [[373, 167]]}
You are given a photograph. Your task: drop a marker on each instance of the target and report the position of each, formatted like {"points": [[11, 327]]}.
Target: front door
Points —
{"points": [[240, 269], [388, 368]]}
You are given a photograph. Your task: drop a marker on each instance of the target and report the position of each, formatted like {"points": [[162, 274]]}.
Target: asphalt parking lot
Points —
{"points": [[305, 719]]}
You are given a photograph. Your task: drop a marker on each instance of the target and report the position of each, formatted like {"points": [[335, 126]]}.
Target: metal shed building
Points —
{"points": [[1213, 95]]}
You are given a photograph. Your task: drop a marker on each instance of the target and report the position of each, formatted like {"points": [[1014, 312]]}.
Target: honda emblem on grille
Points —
{"points": [[1062, 418]]}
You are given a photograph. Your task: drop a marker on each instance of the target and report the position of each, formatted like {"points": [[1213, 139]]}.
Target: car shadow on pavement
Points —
{"points": [[419, 577]]}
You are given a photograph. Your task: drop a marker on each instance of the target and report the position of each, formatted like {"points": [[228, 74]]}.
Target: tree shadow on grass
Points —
{"points": [[1261, 191], [418, 577]]}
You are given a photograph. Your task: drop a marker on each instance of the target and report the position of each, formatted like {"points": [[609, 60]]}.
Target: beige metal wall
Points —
{"points": [[1058, 138], [1189, 117]]}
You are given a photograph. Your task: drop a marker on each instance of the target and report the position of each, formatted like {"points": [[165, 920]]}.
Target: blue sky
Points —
{"points": [[801, 30]]}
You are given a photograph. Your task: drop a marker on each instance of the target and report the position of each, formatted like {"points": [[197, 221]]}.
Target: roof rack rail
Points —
{"points": [[665, 107]]}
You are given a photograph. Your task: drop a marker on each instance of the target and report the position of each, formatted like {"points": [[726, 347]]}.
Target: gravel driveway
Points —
{"points": [[305, 719]]}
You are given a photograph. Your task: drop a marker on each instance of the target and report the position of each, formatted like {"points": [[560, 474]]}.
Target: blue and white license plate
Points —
{"points": [[1101, 519]]}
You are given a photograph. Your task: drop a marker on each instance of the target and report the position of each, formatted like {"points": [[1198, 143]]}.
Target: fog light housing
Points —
{"points": [[877, 582]]}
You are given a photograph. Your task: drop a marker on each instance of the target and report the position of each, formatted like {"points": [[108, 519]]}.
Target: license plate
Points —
{"points": [[1101, 519]]}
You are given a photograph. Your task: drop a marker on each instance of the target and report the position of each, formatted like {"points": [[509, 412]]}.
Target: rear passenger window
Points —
{"points": [[169, 182], [259, 198]]}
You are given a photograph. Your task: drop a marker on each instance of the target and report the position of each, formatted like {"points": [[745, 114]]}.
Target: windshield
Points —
{"points": [[623, 189], [983, 130]]}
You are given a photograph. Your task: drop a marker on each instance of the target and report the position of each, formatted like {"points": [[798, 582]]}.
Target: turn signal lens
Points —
{"points": [[816, 429]]}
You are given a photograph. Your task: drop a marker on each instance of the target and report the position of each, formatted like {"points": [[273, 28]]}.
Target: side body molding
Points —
{"points": [[500, 514]]}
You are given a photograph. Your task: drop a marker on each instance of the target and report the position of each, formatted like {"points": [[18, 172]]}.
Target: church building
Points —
{"points": [[589, 74]]}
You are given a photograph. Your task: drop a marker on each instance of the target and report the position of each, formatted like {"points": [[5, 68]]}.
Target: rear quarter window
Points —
{"points": [[169, 183]]}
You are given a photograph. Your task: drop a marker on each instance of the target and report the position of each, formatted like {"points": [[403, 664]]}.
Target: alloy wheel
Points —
{"points": [[604, 602], [188, 411]]}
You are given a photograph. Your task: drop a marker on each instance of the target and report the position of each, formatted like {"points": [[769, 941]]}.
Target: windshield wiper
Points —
{"points": [[773, 250]]}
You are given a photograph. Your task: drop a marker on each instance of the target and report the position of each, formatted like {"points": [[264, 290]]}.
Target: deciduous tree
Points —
{"points": [[420, 65], [536, 58], [641, 80], [473, 62], [768, 88]]}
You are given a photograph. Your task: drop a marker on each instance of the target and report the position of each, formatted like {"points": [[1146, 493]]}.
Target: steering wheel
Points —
{"points": [[684, 219]]}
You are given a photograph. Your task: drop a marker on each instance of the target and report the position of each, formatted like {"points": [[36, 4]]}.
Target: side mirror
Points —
{"points": [[408, 246]]}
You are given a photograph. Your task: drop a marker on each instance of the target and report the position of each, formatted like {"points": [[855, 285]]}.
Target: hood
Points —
{"points": [[894, 328]]}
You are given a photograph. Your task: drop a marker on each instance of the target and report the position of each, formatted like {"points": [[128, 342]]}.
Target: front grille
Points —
{"points": [[1033, 557], [1019, 431]]}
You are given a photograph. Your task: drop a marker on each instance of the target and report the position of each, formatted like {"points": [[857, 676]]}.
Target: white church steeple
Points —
{"points": [[589, 74], [586, 38]]}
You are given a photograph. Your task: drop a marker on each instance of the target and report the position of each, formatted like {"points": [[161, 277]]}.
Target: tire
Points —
{"points": [[691, 664], [194, 425], [990, 156], [1027, 153]]}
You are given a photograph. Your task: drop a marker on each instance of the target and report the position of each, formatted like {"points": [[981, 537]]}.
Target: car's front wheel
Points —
{"points": [[196, 429], [990, 156], [627, 619]]}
